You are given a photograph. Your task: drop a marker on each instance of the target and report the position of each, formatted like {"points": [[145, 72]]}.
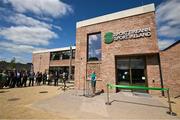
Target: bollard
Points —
{"points": [[108, 103], [170, 112]]}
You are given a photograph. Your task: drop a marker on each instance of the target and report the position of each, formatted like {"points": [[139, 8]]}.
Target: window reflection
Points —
{"points": [[94, 47], [61, 55]]}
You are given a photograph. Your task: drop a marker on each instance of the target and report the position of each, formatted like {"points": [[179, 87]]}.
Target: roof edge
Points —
{"points": [[54, 50], [178, 41], [117, 15]]}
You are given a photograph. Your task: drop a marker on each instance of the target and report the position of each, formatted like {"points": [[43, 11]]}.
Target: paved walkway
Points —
{"points": [[125, 105]]}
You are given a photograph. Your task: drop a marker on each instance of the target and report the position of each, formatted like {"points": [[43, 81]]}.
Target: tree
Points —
{"points": [[13, 63]]}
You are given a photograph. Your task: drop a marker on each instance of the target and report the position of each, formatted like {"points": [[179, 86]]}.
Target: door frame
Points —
{"points": [[130, 57]]}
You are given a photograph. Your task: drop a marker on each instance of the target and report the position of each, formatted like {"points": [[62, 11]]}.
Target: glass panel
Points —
{"points": [[61, 55], [123, 64], [137, 63], [73, 54], [123, 71], [55, 56], [65, 54], [137, 70], [94, 47], [138, 73], [136, 66]]}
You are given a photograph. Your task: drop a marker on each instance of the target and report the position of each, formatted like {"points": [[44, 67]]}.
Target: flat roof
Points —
{"points": [[54, 50], [117, 15]]}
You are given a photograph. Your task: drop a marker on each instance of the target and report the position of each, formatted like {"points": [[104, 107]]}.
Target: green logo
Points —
{"points": [[108, 37]]}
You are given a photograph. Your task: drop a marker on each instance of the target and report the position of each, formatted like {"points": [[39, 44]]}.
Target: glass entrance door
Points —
{"points": [[131, 71], [123, 72], [137, 67]]}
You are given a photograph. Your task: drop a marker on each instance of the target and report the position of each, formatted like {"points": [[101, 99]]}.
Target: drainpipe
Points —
{"points": [[160, 70], [70, 64]]}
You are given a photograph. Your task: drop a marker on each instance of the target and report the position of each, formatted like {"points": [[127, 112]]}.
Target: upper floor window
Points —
{"points": [[73, 53], [94, 47], [61, 55]]}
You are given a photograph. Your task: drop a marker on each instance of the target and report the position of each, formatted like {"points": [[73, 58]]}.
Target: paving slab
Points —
{"points": [[124, 105]]}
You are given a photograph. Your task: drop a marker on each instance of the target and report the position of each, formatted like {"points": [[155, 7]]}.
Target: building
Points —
{"points": [[170, 67], [60, 59], [122, 48]]}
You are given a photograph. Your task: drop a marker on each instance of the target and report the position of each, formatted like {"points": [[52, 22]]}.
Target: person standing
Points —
{"points": [[40, 78], [18, 78], [11, 79], [24, 79], [56, 79], [14, 79], [93, 82], [44, 78], [48, 79], [8, 79], [64, 79], [3, 79], [31, 78]]}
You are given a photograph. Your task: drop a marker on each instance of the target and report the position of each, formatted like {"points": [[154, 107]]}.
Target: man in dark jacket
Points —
{"points": [[31, 78]]}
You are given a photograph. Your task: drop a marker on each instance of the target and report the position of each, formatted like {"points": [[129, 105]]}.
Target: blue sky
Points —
{"points": [[28, 25]]}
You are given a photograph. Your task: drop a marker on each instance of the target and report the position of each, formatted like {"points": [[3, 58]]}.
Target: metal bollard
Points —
{"points": [[170, 112], [108, 103]]}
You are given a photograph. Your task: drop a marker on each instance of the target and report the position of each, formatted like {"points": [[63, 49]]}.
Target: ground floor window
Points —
{"points": [[61, 69], [131, 71]]}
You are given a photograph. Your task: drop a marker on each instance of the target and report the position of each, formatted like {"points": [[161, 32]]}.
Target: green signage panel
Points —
{"points": [[108, 38]]}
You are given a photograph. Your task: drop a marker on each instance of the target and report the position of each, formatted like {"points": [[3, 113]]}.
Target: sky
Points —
{"points": [[30, 25]]}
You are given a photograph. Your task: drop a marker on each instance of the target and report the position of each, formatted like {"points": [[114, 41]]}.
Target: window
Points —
{"points": [[131, 71], [54, 56], [73, 54], [61, 55], [94, 47]]}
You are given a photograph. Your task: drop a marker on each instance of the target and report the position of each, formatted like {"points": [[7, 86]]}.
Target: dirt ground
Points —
{"points": [[15, 103]]}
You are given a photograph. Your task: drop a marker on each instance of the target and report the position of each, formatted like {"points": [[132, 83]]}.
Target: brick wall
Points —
{"points": [[153, 73], [61, 62], [109, 51], [41, 62], [170, 64]]}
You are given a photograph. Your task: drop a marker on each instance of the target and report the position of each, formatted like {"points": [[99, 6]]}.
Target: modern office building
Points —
{"points": [[122, 48]]}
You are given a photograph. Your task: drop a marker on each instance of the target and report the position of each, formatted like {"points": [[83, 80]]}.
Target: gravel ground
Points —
{"points": [[15, 103]]}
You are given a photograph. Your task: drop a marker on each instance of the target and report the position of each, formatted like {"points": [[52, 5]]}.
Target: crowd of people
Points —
{"points": [[16, 78]]}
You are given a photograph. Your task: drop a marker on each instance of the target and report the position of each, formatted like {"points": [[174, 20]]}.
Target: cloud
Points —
{"points": [[168, 22], [21, 19], [17, 48], [54, 8], [19, 51], [28, 35], [29, 25], [165, 43], [94, 37], [98, 51]]}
